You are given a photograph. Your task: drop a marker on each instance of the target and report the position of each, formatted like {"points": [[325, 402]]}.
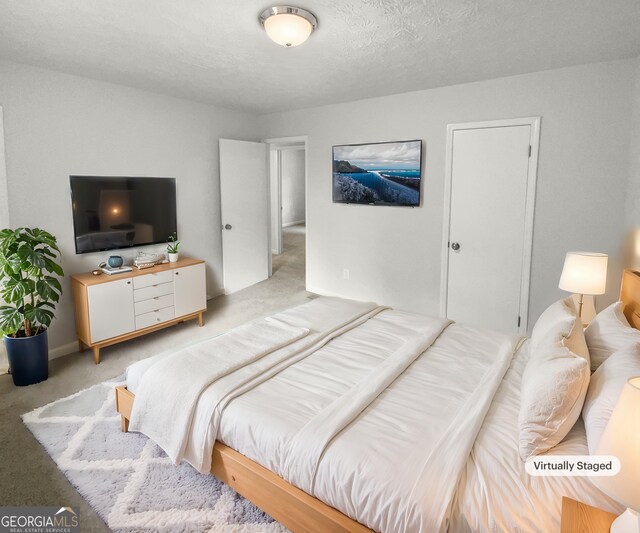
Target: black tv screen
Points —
{"points": [[386, 173], [121, 212]]}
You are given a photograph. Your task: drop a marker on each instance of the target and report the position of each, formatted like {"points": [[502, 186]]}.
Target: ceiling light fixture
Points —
{"points": [[287, 25]]}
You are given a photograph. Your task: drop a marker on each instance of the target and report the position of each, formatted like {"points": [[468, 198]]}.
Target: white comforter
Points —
{"points": [[495, 492], [378, 423]]}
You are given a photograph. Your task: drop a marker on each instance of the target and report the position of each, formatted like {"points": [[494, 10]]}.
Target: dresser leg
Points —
{"points": [[96, 355], [200, 320], [80, 346], [125, 424]]}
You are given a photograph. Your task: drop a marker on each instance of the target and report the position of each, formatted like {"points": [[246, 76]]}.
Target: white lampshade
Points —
{"points": [[584, 273], [621, 438], [288, 25]]}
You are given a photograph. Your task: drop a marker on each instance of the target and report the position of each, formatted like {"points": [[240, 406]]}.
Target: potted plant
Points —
{"points": [[173, 244], [30, 290]]}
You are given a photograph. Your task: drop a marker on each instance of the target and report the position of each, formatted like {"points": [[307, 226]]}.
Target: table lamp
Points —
{"points": [[584, 273], [621, 438]]}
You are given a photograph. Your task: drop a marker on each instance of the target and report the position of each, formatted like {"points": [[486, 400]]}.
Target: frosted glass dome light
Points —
{"points": [[287, 25]]}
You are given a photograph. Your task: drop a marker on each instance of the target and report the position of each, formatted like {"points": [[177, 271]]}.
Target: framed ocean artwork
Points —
{"points": [[385, 173]]}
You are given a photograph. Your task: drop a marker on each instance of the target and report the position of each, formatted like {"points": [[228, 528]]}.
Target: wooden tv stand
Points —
{"points": [[114, 308]]}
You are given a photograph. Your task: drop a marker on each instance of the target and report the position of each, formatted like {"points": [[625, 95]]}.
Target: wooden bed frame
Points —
{"points": [[630, 297], [292, 507], [289, 505]]}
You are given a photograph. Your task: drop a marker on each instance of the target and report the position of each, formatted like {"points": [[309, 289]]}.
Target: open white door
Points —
{"points": [[244, 198]]}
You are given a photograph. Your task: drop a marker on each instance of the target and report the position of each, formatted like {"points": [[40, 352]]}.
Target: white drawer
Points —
{"points": [[155, 278], [153, 291], [153, 304], [154, 317]]}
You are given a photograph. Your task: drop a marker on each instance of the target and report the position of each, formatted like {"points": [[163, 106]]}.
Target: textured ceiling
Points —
{"points": [[216, 52]]}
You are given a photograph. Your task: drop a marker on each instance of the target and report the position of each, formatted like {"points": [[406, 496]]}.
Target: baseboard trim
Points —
{"points": [[65, 349], [323, 292], [215, 294], [287, 224]]}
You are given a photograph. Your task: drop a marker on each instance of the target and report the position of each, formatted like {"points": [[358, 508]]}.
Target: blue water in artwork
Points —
{"points": [[375, 186]]}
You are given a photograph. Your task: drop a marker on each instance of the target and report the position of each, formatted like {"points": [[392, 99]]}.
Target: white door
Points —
{"points": [[244, 197], [488, 246], [190, 291], [111, 310]]}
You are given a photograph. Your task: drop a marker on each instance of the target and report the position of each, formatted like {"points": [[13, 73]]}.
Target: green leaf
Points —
{"points": [[38, 315], [47, 290], [11, 320], [32, 257], [43, 237], [7, 238], [14, 291], [51, 266], [15, 263], [54, 282]]}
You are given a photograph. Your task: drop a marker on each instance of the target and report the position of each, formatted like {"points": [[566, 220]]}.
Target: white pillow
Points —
{"points": [[560, 321], [554, 386], [559, 316], [609, 332], [604, 391]]}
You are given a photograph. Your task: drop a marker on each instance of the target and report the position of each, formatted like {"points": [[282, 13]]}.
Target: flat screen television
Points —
{"points": [[386, 173], [110, 213]]}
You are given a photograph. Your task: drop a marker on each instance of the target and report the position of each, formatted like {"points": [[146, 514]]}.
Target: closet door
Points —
{"points": [[488, 245]]}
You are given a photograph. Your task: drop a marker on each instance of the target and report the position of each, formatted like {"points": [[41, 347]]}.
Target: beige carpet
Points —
{"points": [[28, 476]]}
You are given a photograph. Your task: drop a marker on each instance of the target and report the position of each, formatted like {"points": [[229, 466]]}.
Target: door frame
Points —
{"points": [[278, 144], [532, 178]]}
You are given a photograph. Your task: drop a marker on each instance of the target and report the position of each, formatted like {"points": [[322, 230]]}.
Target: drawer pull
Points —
{"points": [[177, 273], [158, 319], [156, 297], [128, 283]]}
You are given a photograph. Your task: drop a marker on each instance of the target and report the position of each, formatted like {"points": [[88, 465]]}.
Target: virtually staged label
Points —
{"points": [[573, 465]]}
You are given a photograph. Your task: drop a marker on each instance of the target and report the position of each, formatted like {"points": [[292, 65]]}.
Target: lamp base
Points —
{"points": [[627, 522]]}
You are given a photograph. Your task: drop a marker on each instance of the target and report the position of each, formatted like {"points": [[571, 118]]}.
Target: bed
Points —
{"points": [[310, 417]]}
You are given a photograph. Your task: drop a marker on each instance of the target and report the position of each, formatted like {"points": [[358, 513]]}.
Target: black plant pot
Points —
{"points": [[28, 358]]}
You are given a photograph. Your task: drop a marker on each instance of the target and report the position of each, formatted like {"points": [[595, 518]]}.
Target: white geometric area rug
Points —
{"points": [[129, 480]]}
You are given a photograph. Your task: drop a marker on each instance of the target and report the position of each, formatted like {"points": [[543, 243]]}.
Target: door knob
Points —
{"points": [[227, 226], [455, 246]]}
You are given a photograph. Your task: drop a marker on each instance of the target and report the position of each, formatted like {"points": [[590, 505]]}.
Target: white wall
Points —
{"points": [[4, 222], [4, 197], [633, 196], [393, 253], [293, 194], [57, 125]]}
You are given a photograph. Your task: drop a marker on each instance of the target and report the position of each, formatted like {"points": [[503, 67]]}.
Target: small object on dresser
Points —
{"points": [[173, 245], [96, 272], [115, 261], [144, 260]]}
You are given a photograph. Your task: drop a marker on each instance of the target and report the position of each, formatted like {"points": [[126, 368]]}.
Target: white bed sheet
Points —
{"points": [[496, 494], [367, 471]]}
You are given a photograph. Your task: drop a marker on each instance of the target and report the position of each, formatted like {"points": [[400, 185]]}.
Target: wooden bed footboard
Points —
{"points": [[289, 505]]}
